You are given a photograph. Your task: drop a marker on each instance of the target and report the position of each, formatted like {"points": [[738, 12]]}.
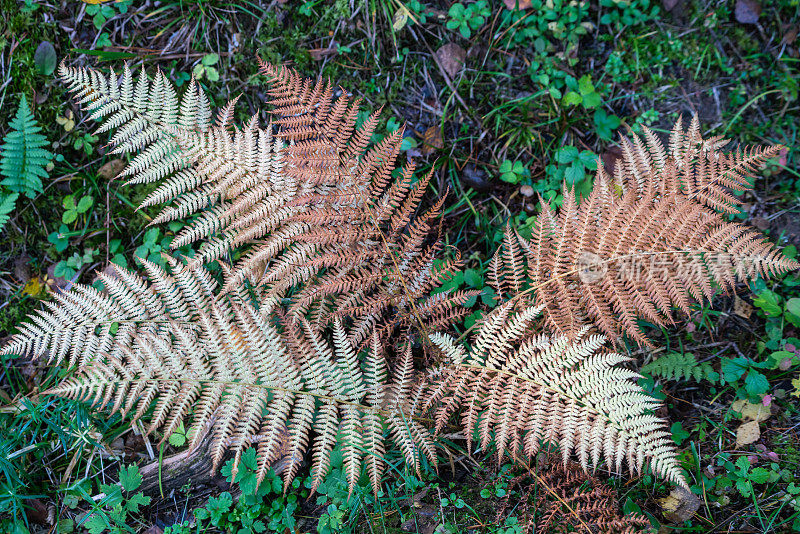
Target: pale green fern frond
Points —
{"points": [[23, 158]]}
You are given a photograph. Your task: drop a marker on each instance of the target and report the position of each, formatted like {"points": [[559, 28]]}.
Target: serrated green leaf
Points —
{"points": [[96, 524], [567, 154], [755, 383], [572, 99], [585, 85], [136, 500], [733, 368], [769, 302], [574, 174], [759, 475], [130, 478], [84, 204]]}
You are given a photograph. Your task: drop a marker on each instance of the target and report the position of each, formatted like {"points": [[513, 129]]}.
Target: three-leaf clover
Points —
{"points": [[513, 172], [574, 164], [206, 68], [85, 142], [74, 209], [605, 124], [582, 92]]}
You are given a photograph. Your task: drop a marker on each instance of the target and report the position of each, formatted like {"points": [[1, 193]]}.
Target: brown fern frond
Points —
{"points": [[616, 258], [191, 354], [564, 498], [689, 166], [522, 390]]}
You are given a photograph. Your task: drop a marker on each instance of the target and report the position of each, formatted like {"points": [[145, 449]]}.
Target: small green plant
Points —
{"points": [[628, 12], [581, 92], [152, 246], [754, 385], [72, 209], [68, 268], [206, 68], [102, 12], [85, 142], [573, 164], [110, 514], [677, 366], [743, 475], [605, 124], [513, 172], [468, 19]]}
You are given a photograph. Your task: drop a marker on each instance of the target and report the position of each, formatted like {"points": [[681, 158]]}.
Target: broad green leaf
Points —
{"points": [[45, 58], [130, 478], [567, 154]]}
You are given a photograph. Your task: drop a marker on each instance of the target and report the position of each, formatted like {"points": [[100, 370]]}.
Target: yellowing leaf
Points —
{"points": [[67, 122], [753, 411], [34, 287], [400, 19], [679, 505]]}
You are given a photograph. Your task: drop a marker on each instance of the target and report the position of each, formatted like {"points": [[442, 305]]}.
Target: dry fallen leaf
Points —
{"points": [[747, 433], [34, 287], [742, 308], [679, 505], [747, 11], [451, 58], [751, 411], [111, 169], [67, 121], [432, 140], [522, 4]]}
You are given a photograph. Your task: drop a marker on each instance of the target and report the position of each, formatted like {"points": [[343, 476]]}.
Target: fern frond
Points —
{"points": [[569, 500], [7, 203], [23, 158], [83, 325], [678, 366], [614, 259], [689, 166], [309, 197], [176, 348], [521, 390]]}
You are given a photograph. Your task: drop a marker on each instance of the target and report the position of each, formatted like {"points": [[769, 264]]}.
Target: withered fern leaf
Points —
{"points": [[651, 241], [172, 351]]}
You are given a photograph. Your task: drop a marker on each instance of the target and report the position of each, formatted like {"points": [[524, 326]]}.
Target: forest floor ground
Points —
{"points": [[502, 105]]}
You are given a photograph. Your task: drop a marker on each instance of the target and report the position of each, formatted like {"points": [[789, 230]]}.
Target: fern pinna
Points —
{"points": [[339, 261]]}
